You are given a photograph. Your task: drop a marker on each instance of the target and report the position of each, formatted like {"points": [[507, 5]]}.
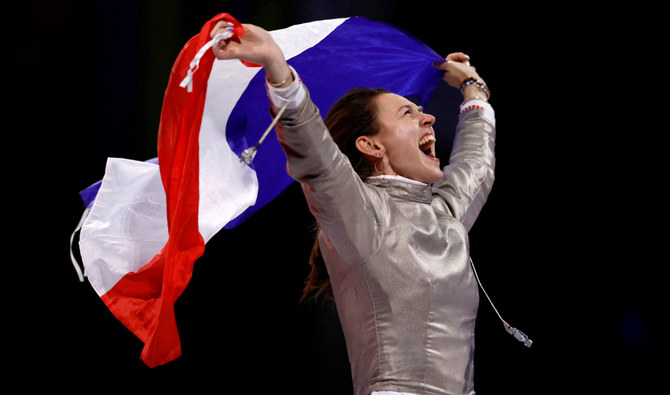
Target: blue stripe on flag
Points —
{"points": [[358, 53]]}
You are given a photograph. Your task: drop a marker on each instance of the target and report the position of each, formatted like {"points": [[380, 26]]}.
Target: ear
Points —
{"points": [[369, 147]]}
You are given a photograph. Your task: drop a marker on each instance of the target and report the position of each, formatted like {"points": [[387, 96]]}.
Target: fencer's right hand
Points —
{"points": [[256, 45]]}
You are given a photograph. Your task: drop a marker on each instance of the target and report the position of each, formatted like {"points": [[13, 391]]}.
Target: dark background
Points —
{"points": [[568, 245]]}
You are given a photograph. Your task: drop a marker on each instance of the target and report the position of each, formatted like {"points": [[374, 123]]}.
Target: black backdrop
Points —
{"points": [[562, 245]]}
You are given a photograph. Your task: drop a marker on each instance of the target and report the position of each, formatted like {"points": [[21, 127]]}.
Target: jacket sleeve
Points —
{"points": [[341, 203], [468, 179]]}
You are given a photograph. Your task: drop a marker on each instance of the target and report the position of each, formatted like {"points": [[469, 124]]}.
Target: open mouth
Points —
{"points": [[427, 145]]}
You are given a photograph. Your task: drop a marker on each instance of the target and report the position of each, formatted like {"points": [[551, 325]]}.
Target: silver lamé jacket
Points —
{"points": [[397, 255]]}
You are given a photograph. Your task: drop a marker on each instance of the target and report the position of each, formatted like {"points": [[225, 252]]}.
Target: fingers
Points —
{"points": [[457, 69], [221, 48], [220, 27], [255, 45], [459, 57]]}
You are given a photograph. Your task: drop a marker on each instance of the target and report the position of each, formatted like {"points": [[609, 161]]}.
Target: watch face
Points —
{"points": [[467, 82]]}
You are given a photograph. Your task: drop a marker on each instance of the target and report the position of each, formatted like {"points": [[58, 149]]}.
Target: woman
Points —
{"points": [[395, 247]]}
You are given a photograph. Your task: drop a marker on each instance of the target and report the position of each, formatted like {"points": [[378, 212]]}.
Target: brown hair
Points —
{"points": [[352, 116]]}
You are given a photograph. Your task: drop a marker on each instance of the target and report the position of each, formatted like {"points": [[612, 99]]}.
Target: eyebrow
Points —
{"points": [[409, 107]]}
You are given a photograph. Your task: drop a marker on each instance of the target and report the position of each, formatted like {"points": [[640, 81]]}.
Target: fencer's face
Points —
{"points": [[407, 138]]}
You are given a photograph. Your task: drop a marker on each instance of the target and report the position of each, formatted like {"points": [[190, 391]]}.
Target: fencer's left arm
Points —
{"points": [[468, 179]]}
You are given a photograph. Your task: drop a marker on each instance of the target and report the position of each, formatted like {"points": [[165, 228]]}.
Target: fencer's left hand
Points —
{"points": [[457, 69]]}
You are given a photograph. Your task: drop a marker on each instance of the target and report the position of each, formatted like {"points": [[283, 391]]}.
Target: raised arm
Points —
{"points": [[337, 197], [469, 177]]}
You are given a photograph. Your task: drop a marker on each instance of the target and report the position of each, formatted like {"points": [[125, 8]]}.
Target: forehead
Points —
{"points": [[390, 102]]}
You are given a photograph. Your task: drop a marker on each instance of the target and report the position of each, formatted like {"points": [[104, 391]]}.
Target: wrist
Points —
{"points": [[279, 76], [277, 72], [473, 87]]}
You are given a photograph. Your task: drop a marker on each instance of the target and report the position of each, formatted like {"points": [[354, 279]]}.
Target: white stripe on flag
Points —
{"points": [[227, 186], [127, 224]]}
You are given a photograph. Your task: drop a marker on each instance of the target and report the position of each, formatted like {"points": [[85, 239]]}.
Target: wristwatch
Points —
{"points": [[477, 83]]}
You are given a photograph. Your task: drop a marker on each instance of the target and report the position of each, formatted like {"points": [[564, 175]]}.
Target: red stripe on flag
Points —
{"points": [[144, 301]]}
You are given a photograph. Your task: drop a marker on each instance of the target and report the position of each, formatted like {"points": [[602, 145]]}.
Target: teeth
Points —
{"points": [[426, 141]]}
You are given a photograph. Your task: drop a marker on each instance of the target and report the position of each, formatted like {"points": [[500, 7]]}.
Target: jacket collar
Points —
{"points": [[403, 188]]}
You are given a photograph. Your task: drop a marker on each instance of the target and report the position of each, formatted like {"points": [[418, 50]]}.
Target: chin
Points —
{"points": [[435, 174], [435, 179], [431, 178]]}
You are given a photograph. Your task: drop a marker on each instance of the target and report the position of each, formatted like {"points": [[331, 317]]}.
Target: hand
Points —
{"points": [[255, 46], [457, 69]]}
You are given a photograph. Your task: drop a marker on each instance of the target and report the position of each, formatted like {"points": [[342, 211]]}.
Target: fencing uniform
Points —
{"points": [[396, 251]]}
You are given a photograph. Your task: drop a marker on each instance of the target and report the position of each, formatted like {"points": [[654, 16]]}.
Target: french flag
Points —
{"points": [[146, 223]]}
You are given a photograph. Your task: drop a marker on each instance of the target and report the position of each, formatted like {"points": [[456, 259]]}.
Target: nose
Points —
{"points": [[427, 120]]}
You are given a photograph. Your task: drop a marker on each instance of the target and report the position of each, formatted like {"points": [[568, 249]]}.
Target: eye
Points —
{"points": [[412, 111]]}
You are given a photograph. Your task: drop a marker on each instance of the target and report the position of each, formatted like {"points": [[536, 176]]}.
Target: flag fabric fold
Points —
{"points": [[148, 222]]}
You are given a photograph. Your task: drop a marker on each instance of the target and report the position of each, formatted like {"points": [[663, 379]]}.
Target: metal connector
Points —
{"points": [[518, 335], [248, 154]]}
